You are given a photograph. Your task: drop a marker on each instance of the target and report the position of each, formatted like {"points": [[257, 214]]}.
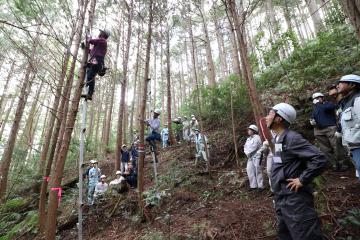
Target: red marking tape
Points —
{"points": [[59, 189]]}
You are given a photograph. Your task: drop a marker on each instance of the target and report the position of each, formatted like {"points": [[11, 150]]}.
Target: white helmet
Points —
{"points": [[350, 78], [102, 176], [253, 127], [157, 111], [118, 172], [316, 95], [286, 111], [106, 32], [93, 161], [193, 118], [192, 115]]}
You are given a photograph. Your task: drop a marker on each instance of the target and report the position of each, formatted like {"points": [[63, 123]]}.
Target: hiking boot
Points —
{"points": [[261, 189]]}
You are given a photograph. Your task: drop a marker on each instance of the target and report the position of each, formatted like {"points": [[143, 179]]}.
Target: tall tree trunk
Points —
{"points": [[315, 15], [57, 116], [154, 76], [246, 66], [221, 48], [168, 87], [352, 10], [55, 181], [25, 140], [9, 148], [113, 88], [209, 58], [142, 112], [234, 51], [120, 127], [4, 93], [6, 118], [132, 113]]}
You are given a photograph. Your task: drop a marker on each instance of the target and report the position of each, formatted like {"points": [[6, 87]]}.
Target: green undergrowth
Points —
{"points": [[28, 224]]}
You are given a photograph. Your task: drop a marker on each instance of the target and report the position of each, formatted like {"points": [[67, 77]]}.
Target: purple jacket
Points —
{"points": [[99, 48]]}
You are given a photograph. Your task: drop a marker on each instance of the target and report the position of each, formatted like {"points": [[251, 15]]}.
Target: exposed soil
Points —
{"points": [[221, 207]]}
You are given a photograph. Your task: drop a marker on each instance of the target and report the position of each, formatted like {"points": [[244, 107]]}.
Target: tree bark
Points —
{"points": [[209, 58], [9, 148], [246, 66], [352, 10], [142, 112], [60, 163], [315, 15], [6, 118], [4, 94], [120, 128], [132, 113], [58, 115], [168, 87]]}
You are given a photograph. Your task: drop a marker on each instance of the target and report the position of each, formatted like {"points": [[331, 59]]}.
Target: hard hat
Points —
{"points": [[93, 161], [106, 32], [179, 118], [192, 115], [197, 130], [350, 78], [316, 95], [157, 111], [286, 111], [118, 172], [124, 145], [253, 127], [102, 176], [193, 118]]}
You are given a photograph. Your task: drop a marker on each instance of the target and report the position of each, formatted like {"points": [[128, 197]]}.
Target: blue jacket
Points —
{"points": [[324, 115]]}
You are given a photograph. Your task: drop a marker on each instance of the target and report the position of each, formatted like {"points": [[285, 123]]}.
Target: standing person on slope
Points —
{"points": [[96, 62], [349, 87], [296, 163], [253, 168]]}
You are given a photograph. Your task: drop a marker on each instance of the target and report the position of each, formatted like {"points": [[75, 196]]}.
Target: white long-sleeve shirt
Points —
{"points": [[101, 188], [252, 144]]}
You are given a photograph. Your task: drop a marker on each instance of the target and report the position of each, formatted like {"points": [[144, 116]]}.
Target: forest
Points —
{"points": [[217, 65]]}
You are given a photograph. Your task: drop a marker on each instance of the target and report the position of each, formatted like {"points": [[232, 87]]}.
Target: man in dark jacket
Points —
{"points": [[295, 164], [96, 62], [323, 119]]}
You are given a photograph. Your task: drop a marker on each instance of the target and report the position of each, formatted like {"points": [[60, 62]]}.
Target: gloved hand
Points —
{"points": [[312, 121], [315, 101], [266, 143], [338, 134]]}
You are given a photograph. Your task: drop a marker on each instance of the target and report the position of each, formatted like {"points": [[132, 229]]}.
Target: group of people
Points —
{"points": [[293, 163]]}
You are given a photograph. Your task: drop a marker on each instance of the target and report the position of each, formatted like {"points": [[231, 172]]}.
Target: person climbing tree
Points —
{"points": [[154, 135], [96, 61]]}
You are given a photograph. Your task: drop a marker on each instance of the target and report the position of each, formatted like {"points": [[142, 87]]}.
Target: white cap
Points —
{"points": [[350, 78], [192, 115], [286, 111], [316, 95], [102, 176], [158, 111], [118, 172], [197, 130], [93, 161], [253, 127], [193, 118]]}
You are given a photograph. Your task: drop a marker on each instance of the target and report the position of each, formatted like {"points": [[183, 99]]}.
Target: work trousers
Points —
{"points": [[91, 190], [327, 142], [254, 172], [123, 167], [91, 72], [356, 159], [297, 218]]}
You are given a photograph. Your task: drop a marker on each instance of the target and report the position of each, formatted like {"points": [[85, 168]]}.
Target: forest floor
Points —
{"points": [[196, 206]]}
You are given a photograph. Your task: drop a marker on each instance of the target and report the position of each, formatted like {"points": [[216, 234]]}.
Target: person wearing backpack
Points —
{"points": [[349, 87], [296, 163]]}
